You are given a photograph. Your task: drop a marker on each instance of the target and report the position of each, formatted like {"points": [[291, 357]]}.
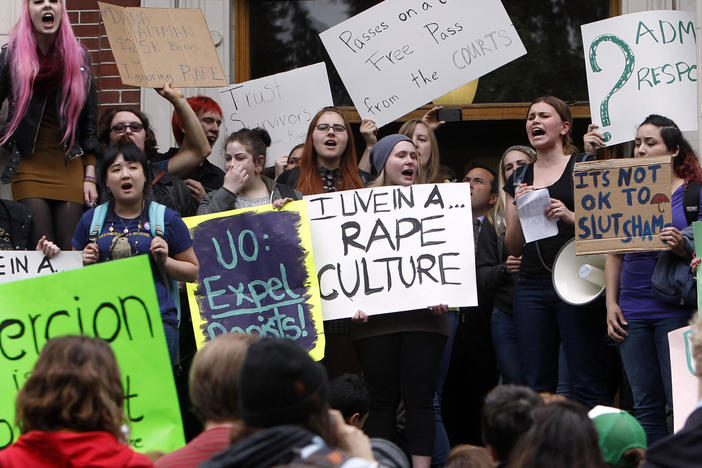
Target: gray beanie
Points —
{"points": [[380, 152]]}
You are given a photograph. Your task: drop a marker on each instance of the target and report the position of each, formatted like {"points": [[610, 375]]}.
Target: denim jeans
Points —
{"points": [[543, 320], [504, 339], [646, 360], [171, 331]]}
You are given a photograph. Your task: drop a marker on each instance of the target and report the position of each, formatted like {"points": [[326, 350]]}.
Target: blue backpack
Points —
{"points": [[157, 224]]}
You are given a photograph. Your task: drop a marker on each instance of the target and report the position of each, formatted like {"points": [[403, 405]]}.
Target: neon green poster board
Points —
{"points": [[697, 230], [115, 301], [257, 276]]}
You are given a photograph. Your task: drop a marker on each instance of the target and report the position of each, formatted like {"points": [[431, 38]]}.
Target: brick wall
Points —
{"points": [[85, 18]]}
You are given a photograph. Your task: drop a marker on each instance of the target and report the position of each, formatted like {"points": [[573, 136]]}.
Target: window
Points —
{"points": [[283, 35]]}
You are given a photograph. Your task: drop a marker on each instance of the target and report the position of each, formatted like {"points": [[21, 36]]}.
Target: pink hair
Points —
{"points": [[24, 66]]}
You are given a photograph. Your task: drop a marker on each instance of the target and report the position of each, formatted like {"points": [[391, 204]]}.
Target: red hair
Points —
{"points": [[24, 65], [310, 182], [198, 104]]}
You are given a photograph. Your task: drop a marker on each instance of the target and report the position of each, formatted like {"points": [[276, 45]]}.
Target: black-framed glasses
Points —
{"points": [[338, 128], [121, 128]]}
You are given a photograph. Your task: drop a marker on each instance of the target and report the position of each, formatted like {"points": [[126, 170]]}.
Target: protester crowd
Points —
{"points": [[517, 381]]}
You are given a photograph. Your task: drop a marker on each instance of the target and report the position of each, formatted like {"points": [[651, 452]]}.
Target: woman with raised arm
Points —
{"points": [[400, 352], [542, 318], [126, 230], [46, 76], [635, 319]]}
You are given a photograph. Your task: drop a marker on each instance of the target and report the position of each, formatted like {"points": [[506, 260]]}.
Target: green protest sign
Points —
{"points": [[115, 301]]}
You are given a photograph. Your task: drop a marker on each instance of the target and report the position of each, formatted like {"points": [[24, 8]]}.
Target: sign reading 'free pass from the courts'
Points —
{"points": [[401, 54]]}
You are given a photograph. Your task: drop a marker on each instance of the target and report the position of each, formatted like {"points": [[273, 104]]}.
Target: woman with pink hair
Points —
{"points": [[50, 131]]}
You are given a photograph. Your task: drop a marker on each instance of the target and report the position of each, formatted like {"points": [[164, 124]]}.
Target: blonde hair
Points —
{"points": [[496, 216]]}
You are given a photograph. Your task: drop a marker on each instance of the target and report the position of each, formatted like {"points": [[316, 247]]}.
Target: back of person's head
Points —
{"points": [[622, 440], [469, 456], [199, 105], [279, 384], [214, 377], [75, 385], [348, 393], [562, 436], [507, 415]]}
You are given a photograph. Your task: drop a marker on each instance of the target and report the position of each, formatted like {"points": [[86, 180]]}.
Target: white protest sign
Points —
{"points": [[391, 249], [401, 54], [532, 208], [283, 104], [641, 64], [22, 264], [682, 373]]}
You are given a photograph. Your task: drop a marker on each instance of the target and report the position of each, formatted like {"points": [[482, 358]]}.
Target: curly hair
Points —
{"points": [[105, 127], [310, 182], [75, 385]]}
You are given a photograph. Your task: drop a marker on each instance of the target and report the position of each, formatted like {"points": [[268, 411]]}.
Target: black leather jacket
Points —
{"points": [[24, 137]]}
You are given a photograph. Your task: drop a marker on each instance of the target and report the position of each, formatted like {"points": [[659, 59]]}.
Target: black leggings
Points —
{"points": [[403, 364], [55, 219]]}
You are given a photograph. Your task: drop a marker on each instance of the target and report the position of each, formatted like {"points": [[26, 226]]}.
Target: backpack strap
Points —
{"points": [[157, 214], [98, 220], [691, 201]]}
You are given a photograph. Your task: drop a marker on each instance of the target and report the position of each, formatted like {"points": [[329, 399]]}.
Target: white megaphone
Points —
{"points": [[578, 280]]}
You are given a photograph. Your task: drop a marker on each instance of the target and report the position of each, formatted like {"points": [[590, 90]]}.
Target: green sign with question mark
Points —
{"points": [[623, 78], [647, 62]]}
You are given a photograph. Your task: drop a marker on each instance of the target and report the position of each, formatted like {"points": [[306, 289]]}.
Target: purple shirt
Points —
{"points": [[635, 297]]}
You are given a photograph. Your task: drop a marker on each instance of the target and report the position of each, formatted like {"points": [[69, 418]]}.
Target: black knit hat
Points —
{"points": [[279, 383]]}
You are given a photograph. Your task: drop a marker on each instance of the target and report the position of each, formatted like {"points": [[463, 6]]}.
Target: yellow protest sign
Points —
{"points": [[257, 276]]}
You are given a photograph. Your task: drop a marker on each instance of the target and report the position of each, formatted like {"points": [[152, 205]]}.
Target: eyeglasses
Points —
{"points": [[133, 126], [338, 128]]}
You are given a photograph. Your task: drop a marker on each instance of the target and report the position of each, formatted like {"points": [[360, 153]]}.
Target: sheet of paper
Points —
{"points": [[532, 207]]}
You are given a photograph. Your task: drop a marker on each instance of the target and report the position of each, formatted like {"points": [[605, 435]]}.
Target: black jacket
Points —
{"points": [[281, 445], [23, 139], [680, 450], [490, 256]]}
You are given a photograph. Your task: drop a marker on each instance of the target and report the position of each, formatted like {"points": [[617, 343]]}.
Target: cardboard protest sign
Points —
{"points": [[23, 264], [682, 373], [283, 104], [391, 249], [400, 54], [641, 64], [115, 301], [257, 276], [156, 45], [621, 205]]}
